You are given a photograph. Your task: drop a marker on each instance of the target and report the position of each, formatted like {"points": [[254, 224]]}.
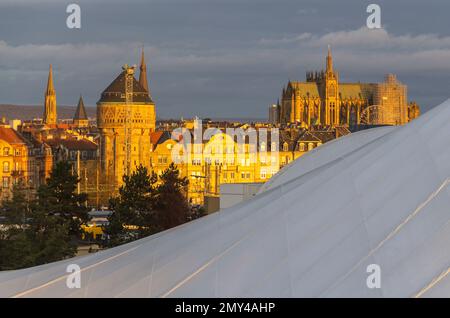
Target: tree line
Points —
{"points": [[46, 227]]}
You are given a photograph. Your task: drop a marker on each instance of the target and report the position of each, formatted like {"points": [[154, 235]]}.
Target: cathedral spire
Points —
{"points": [[50, 116], [80, 113], [329, 60], [143, 73], [80, 118]]}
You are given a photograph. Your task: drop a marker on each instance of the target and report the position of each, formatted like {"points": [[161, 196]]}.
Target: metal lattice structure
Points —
{"points": [[129, 81], [372, 115]]}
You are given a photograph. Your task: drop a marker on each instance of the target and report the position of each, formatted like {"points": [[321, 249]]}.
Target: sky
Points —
{"points": [[219, 58]]}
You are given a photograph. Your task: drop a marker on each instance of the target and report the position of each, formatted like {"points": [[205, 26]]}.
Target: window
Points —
{"points": [[263, 173], [285, 147], [6, 166], [302, 146], [6, 151], [18, 152], [310, 146], [162, 160], [263, 146], [5, 182], [231, 175], [274, 146]]}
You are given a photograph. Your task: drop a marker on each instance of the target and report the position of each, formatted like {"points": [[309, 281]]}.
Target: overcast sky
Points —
{"points": [[219, 58]]}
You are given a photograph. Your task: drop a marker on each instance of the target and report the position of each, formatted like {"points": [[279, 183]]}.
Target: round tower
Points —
{"points": [[125, 118]]}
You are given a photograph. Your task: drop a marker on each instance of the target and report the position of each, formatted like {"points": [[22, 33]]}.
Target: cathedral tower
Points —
{"points": [[50, 117], [331, 93], [125, 118]]}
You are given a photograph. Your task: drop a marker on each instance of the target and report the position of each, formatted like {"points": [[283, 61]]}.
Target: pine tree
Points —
{"points": [[132, 207], [171, 205], [15, 248], [44, 229], [58, 197], [147, 204]]}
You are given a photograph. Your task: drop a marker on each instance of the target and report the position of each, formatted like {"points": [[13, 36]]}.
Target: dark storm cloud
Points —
{"points": [[216, 58]]}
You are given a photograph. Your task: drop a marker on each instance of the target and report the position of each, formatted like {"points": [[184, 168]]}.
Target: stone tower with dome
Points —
{"points": [[125, 123]]}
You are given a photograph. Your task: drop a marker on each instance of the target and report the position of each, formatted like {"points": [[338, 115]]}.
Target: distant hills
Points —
{"points": [[26, 112]]}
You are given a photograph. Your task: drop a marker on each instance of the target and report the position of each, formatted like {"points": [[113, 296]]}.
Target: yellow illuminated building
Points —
{"points": [[323, 100], [125, 119], [213, 162], [17, 166]]}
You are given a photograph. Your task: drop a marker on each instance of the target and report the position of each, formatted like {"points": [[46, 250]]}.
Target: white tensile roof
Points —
{"points": [[379, 196]]}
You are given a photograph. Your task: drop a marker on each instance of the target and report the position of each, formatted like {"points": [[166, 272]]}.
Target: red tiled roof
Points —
{"points": [[154, 137], [11, 136], [73, 144]]}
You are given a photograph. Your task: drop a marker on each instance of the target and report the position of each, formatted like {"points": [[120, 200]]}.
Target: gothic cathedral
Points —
{"points": [[323, 101]]}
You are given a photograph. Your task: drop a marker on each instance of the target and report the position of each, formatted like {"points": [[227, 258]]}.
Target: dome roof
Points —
{"points": [[376, 197], [115, 92]]}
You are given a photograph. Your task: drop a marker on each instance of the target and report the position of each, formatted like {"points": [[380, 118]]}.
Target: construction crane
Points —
{"points": [[129, 81]]}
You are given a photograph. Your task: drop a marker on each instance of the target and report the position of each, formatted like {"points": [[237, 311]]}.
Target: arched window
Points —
{"points": [[5, 166], [273, 147], [302, 146], [310, 146], [285, 147]]}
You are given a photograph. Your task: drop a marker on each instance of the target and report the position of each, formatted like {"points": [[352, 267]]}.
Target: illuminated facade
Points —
{"points": [[50, 115], [324, 100], [17, 164], [125, 119]]}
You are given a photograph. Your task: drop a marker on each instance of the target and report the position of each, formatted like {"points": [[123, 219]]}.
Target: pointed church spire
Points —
{"points": [[50, 116], [329, 60], [143, 73], [80, 113], [50, 87], [80, 118]]}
